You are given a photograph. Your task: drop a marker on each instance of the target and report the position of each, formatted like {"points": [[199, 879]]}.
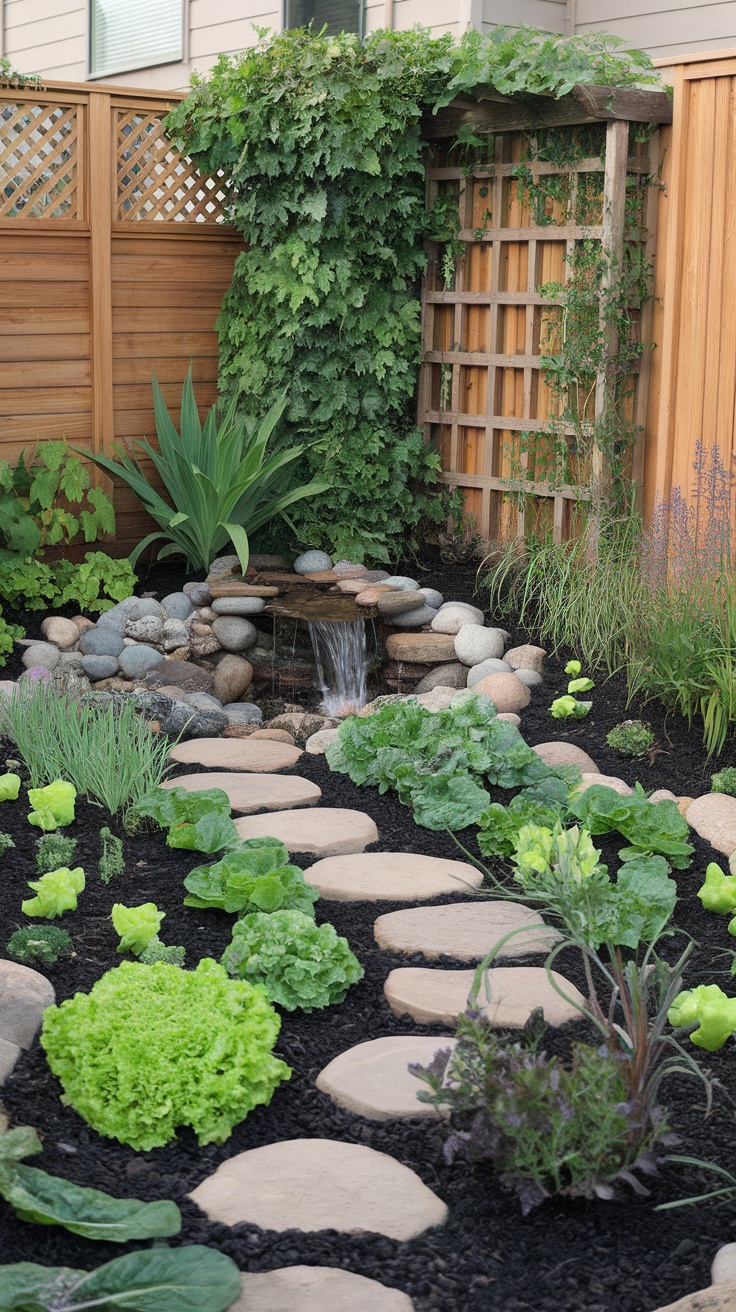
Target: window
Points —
{"points": [[129, 34], [335, 15]]}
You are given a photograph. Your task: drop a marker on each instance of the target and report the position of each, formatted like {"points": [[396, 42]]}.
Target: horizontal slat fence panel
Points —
{"points": [[114, 259]]}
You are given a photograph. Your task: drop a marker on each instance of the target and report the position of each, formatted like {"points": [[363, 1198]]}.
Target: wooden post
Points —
{"points": [[101, 193]]}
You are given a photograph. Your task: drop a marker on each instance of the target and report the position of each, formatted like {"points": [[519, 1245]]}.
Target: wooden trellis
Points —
{"points": [[485, 322]]}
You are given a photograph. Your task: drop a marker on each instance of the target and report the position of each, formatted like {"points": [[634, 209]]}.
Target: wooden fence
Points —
{"points": [[114, 258]]}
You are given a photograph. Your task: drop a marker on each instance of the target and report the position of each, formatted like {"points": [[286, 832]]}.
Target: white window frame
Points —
{"points": [[132, 68]]}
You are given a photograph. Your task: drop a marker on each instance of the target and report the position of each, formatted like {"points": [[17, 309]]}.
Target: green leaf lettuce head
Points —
{"points": [[299, 963], [196, 821], [152, 1048], [573, 668], [137, 926], [648, 826], [192, 1278], [52, 805], [251, 879], [711, 1008], [9, 787], [718, 891], [580, 685], [56, 892], [567, 708]]}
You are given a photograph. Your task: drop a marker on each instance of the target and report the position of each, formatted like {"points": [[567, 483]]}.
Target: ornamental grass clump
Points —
{"points": [[300, 964], [152, 1048]]}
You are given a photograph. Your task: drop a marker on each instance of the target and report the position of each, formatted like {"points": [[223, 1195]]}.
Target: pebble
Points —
{"points": [[505, 691], [464, 930], [104, 640], [320, 1184], [526, 658], [243, 713], [236, 754], [452, 615], [474, 644], [391, 877], [100, 667], [24, 996], [317, 1289], [562, 753], [234, 633], [178, 606], [373, 1080], [238, 605], [713, 816], [311, 561], [40, 654], [61, 632], [233, 677], [444, 676], [515, 991], [138, 660], [323, 831], [248, 793], [483, 668]]}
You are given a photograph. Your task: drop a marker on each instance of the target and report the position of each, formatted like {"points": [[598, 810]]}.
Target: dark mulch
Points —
{"points": [[571, 1257]]}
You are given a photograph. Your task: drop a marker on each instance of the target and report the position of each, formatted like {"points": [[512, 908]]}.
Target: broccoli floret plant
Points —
{"points": [[153, 1048], [300, 964], [630, 738], [39, 945], [724, 781], [54, 850]]}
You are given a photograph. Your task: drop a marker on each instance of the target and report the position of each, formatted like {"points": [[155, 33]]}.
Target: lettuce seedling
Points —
{"points": [[573, 668], [56, 892], [580, 685], [52, 805], [9, 787], [711, 1008], [137, 926], [568, 708], [718, 892]]}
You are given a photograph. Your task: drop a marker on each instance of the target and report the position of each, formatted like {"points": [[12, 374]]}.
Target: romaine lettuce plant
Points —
{"points": [[137, 926], [196, 821], [649, 827], [56, 892], [152, 1048], [300, 964], [52, 805], [255, 876]]}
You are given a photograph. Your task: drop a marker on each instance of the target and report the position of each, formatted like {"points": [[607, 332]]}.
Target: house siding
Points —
{"points": [[550, 14], [662, 27]]}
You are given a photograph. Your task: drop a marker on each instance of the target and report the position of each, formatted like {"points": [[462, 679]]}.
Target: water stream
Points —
{"points": [[341, 658]]}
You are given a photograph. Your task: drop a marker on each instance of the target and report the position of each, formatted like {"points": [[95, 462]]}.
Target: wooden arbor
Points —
{"points": [[482, 392]]}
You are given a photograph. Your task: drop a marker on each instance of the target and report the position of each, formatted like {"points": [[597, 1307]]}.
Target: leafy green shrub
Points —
{"points": [[158, 951], [546, 1128], [52, 805], [300, 964], [631, 738], [54, 850], [255, 876], [724, 781], [218, 478], [43, 945], [111, 861], [197, 821], [137, 926], [9, 634], [56, 892], [152, 1048], [93, 586]]}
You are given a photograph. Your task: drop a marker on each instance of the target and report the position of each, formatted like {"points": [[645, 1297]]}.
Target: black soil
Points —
{"points": [[565, 1257]]}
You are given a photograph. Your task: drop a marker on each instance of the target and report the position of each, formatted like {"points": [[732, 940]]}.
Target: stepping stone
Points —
{"points": [[713, 816], [373, 1078], [442, 995], [254, 792], [324, 831], [320, 1184], [391, 877], [260, 757], [466, 930], [317, 1289], [24, 996]]}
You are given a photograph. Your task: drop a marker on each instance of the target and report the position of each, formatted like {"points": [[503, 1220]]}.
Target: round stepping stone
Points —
{"points": [[253, 792], [324, 831], [466, 931], [320, 1184], [259, 757], [373, 1078], [391, 877], [317, 1289], [442, 995]]}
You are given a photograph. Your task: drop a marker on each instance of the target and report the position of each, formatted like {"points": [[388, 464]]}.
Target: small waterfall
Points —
{"points": [[340, 654]]}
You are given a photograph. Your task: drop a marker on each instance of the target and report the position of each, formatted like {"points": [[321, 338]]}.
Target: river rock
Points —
{"points": [[437, 699], [529, 677], [505, 691], [317, 1289], [235, 633], [233, 677], [717, 1298], [452, 615], [606, 781], [61, 632], [142, 606], [347, 569], [204, 701], [150, 628], [24, 996], [562, 753], [414, 619], [375, 576], [724, 1265], [243, 713], [100, 667], [484, 668], [352, 587], [713, 816], [317, 743], [302, 724], [432, 597], [526, 658], [198, 593], [175, 634], [401, 583], [393, 604], [370, 596], [180, 674], [136, 661], [429, 648], [83, 623], [69, 658], [202, 640], [238, 606], [224, 565], [271, 735], [178, 606], [104, 640], [117, 616], [43, 654], [443, 676], [311, 561], [474, 644]]}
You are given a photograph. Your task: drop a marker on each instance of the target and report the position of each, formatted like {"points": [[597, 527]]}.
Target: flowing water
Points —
{"points": [[341, 658]]}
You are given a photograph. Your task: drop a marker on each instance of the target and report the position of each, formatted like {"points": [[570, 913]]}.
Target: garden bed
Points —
{"points": [[564, 1256]]}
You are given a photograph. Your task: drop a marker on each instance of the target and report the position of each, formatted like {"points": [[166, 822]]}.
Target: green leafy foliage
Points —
{"points": [[218, 477], [43, 945], [206, 1040], [299, 963], [158, 951], [48, 499], [631, 738], [52, 805], [9, 787], [54, 850], [541, 804], [569, 708], [137, 926], [256, 876], [648, 827], [9, 634], [437, 763], [56, 892], [6, 843], [724, 781], [93, 586], [718, 890], [111, 863], [187, 1279], [197, 821], [708, 1007]]}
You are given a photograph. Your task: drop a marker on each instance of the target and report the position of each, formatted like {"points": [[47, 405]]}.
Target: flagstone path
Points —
{"points": [[253, 792]]}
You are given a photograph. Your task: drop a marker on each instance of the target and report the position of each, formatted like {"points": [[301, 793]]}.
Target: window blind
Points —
{"points": [[128, 34], [336, 15]]}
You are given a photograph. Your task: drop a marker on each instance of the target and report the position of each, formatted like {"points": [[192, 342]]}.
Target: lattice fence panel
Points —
{"points": [[39, 161], [484, 399], [154, 182]]}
